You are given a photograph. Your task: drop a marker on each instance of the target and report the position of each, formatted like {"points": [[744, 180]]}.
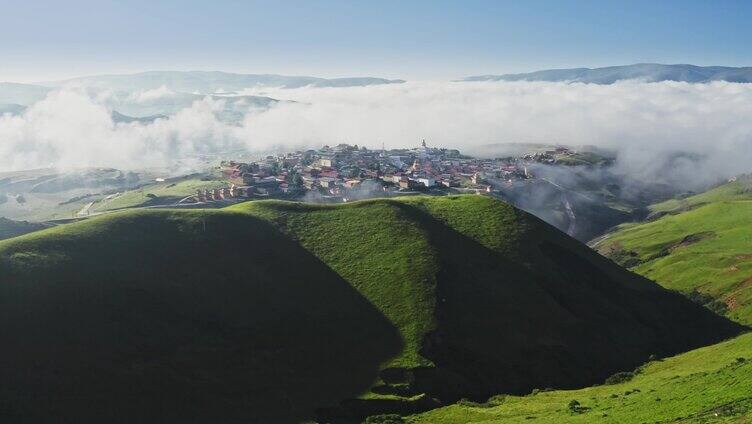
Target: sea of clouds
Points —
{"points": [[646, 123]]}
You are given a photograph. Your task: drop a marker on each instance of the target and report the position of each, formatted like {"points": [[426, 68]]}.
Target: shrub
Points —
{"points": [[490, 403], [575, 407], [468, 402], [384, 419], [620, 377], [496, 400], [708, 301], [625, 258]]}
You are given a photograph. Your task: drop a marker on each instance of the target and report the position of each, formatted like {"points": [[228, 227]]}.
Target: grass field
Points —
{"points": [[52, 205], [706, 247], [741, 189], [580, 158], [164, 193], [707, 385], [700, 243], [275, 311]]}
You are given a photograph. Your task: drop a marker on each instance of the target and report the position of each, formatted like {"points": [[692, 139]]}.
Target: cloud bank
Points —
{"points": [[647, 123], [71, 129]]}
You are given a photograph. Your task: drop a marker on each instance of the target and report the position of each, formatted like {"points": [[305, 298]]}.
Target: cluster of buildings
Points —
{"points": [[342, 172], [217, 194]]}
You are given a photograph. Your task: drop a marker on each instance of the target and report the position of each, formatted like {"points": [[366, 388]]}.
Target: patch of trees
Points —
{"points": [[708, 301], [620, 377], [625, 258], [575, 407], [384, 419]]}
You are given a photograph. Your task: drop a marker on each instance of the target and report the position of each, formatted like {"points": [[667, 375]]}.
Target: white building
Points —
{"points": [[428, 181]]}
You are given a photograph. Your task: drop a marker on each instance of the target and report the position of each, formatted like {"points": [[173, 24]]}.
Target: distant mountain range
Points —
{"points": [[204, 82], [650, 72], [147, 109], [144, 96], [163, 93]]}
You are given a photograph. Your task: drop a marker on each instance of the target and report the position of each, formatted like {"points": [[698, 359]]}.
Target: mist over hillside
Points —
{"points": [[22, 94], [211, 82], [165, 93], [659, 131]]}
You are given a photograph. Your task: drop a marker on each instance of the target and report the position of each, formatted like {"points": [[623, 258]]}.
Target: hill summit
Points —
{"points": [[278, 312]]}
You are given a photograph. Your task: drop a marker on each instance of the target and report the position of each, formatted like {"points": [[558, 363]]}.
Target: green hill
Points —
{"points": [[708, 385], [701, 245], [276, 312]]}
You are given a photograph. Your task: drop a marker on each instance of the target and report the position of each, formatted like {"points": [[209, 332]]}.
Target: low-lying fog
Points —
{"points": [[687, 134]]}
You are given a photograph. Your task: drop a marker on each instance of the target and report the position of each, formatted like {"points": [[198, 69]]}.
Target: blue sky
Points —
{"points": [[41, 40]]}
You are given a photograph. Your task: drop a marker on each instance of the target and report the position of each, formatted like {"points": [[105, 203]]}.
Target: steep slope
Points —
{"points": [[651, 72], [275, 311], [701, 245], [708, 385], [178, 317]]}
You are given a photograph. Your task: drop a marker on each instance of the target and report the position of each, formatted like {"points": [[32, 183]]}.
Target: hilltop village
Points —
{"points": [[345, 172]]}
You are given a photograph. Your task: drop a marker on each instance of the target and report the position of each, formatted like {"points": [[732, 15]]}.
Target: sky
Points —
{"points": [[425, 40]]}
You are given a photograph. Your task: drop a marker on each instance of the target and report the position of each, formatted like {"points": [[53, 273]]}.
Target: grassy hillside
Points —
{"points": [[740, 189], [53, 195], [184, 316], [707, 385], [10, 228], [275, 311], [161, 193], [702, 247]]}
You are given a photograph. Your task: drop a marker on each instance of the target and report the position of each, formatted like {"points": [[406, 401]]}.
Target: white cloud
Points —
{"points": [[69, 129], [146, 96], [644, 121]]}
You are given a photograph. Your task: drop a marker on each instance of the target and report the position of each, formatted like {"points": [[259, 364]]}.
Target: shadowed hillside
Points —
{"points": [[273, 311], [10, 228], [179, 317], [510, 304], [707, 385]]}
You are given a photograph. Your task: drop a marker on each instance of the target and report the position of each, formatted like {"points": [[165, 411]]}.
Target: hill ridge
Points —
{"points": [[467, 296]]}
